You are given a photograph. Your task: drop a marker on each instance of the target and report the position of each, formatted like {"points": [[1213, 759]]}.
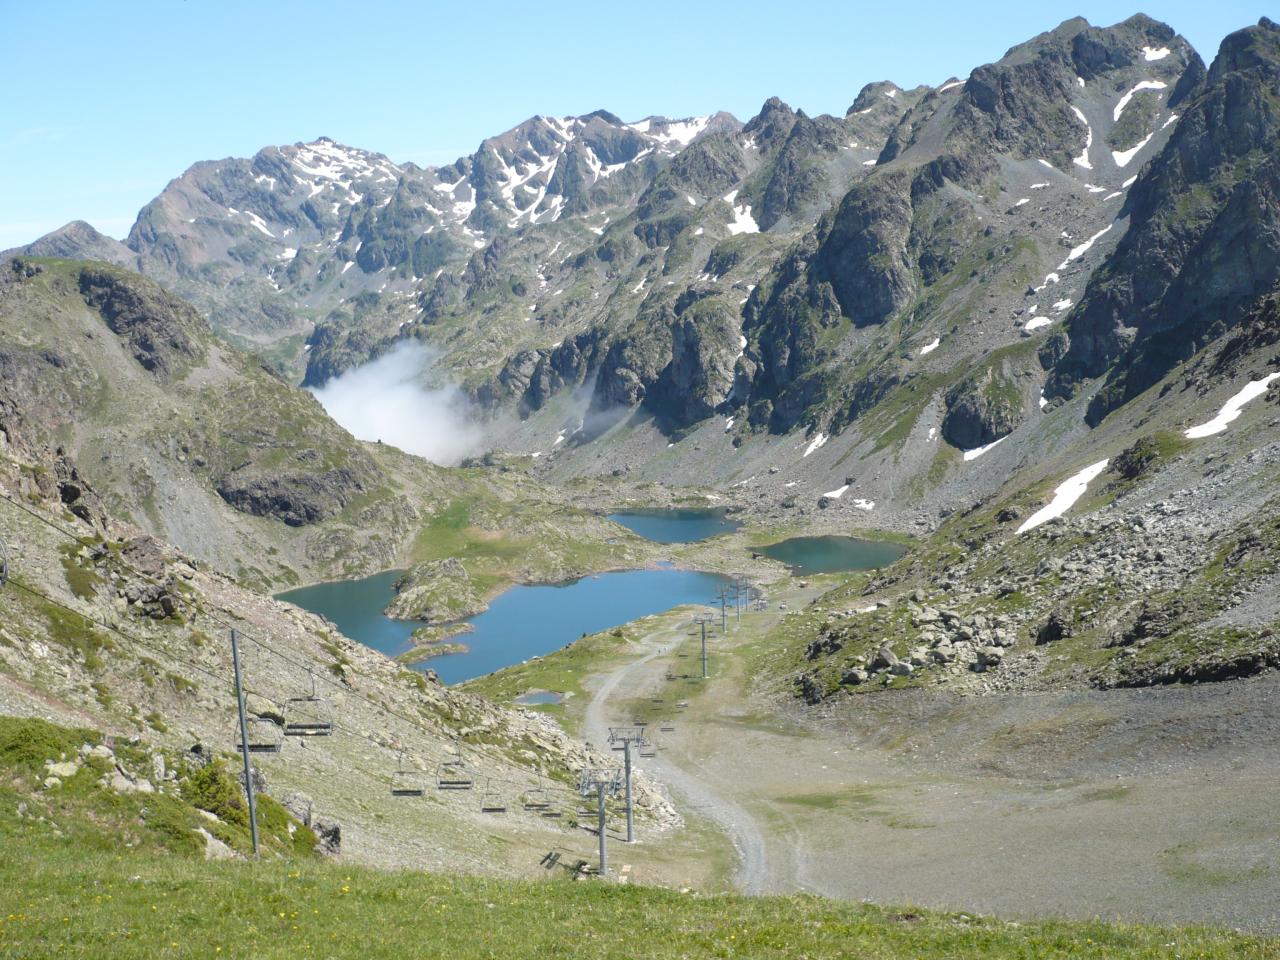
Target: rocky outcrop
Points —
{"points": [[160, 330], [436, 592], [980, 409], [1204, 238], [296, 498], [700, 374]]}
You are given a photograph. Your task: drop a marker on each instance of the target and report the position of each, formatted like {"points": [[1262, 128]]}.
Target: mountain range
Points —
{"points": [[1024, 320]]}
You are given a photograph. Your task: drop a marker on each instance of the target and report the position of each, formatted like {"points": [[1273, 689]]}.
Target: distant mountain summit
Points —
{"points": [[936, 271]]}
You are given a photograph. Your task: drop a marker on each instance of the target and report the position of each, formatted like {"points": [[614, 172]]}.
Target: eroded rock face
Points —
{"points": [[980, 410], [158, 327], [1204, 241], [296, 498], [700, 373]]}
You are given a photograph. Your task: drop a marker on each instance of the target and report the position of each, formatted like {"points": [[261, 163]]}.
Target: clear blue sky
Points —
{"points": [[106, 101]]}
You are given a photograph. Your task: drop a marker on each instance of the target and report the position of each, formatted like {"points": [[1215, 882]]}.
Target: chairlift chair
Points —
{"points": [[536, 798], [405, 782], [453, 775], [264, 735], [667, 728], [4, 562], [308, 716], [491, 801], [646, 754]]}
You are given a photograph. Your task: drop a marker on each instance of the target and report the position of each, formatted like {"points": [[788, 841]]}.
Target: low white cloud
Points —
{"points": [[386, 400]]}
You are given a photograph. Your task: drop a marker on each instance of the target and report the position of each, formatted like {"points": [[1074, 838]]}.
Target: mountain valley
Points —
{"points": [[1022, 326]]}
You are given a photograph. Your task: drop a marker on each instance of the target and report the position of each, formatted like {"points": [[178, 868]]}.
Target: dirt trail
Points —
{"points": [[1131, 805], [693, 790]]}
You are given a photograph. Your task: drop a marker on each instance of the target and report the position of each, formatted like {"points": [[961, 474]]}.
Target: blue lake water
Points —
{"points": [[832, 554], [676, 525], [523, 622]]}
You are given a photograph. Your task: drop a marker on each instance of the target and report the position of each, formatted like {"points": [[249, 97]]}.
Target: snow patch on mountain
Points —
{"points": [[1064, 496], [1140, 85], [1122, 157], [1232, 408]]}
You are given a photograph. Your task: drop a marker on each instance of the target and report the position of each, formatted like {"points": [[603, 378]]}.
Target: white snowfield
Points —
{"points": [[743, 222], [976, 452], [947, 86], [1232, 408], [1048, 279], [1083, 159], [867, 505], [1078, 252], [815, 443], [1122, 157], [672, 131], [1035, 323], [931, 346], [1141, 85], [1154, 53], [837, 493], [1064, 496]]}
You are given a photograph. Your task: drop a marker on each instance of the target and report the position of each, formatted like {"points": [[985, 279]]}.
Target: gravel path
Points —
{"points": [[1150, 804], [694, 790]]}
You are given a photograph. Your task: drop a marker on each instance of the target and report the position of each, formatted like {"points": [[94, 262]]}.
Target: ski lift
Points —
{"points": [[553, 814], [453, 775], [491, 801], [667, 728], [651, 752], [264, 735], [308, 716], [4, 563], [536, 798], [405, 782]]}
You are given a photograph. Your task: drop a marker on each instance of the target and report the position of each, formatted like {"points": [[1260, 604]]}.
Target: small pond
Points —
{"points": [[522, 622], [831, 554], [677, 524]]}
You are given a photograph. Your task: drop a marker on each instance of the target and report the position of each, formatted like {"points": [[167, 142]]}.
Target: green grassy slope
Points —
{"points": [[89, 872]]}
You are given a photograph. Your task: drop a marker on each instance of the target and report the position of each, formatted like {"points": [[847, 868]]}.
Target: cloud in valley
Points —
{"points": [[386, 400]]}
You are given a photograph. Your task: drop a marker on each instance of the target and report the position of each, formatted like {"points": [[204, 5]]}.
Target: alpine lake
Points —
{"points": [[527, 621]]}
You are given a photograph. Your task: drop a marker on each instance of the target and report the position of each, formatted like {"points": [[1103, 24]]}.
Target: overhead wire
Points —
{"points": [[415, 724]]}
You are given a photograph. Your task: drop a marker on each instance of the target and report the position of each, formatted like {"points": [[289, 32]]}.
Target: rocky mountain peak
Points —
{"points": [[1256, 47], [873, 95]]}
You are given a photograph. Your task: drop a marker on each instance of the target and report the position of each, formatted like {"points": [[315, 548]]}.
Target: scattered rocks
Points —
{"points": [[215, 849]]}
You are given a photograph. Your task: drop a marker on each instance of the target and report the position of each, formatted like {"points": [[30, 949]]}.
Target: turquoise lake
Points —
{"points": [[677, 525], [523, 622], [832, 554]]}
